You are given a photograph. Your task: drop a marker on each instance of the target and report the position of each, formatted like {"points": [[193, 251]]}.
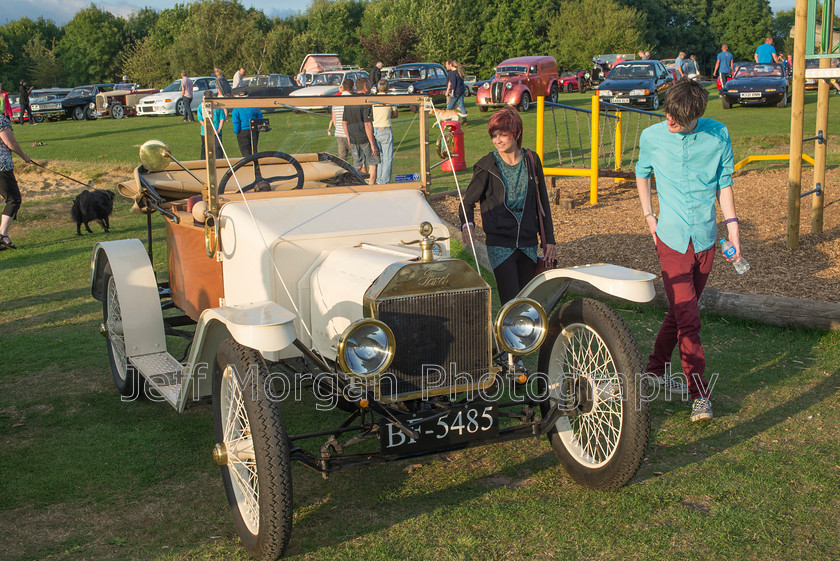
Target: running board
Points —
{"points": [[162, 372]]}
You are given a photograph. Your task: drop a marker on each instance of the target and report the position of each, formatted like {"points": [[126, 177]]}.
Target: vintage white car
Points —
{"points": [[288, 271]]}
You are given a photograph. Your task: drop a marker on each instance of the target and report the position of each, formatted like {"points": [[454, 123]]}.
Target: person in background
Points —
{"points": [[766, 52], [337, 121], [237, 76], [358, 123], [723, 65], [187, 96], [383, 134], [9, 189], [218, 123], [23, 101], [376, 74], [455, 87], [222, 85], [507, 183], [686, 229], [5, 104], [246, 136], [124, 83], [301, 79], [693, 68], [678, 65]]}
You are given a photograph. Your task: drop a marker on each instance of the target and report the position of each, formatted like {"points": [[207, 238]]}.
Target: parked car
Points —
{"points": [[640, 83], [169, 101], [76, 104], [418, 78], [575, 80], [756, 84], [671, 65], [37, 98], [349, 293], [266, 85], [519, 81], [469, 83], [812, 83], [121, 102], [328, 83]]}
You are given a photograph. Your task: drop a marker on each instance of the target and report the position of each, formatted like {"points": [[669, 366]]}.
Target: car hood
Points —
{"points": [[627, 84], [315, 91], [160, 96], [755, 83], [77, 100]]}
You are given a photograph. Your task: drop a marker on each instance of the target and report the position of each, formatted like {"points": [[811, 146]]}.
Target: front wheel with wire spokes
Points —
{"points": [[252, 450], [593, 371]]}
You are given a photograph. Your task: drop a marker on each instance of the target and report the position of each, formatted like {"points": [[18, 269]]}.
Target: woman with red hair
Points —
{"points": [[509, 185]]}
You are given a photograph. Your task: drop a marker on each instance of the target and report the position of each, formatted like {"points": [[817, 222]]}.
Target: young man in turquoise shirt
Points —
{"points": [[692, 160]]}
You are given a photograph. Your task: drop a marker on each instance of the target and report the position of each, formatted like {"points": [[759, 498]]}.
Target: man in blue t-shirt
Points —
{"points": [[724, 64], [766, 53]]}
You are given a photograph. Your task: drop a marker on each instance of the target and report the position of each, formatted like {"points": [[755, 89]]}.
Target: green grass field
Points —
{"points": [[87, 477]]}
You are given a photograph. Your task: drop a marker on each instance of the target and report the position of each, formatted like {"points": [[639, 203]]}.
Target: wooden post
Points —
{"points": [[817, 203], [593, 149], [797, 114]]}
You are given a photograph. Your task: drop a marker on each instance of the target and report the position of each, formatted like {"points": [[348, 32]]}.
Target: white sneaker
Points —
{"points": [[701, 410]]}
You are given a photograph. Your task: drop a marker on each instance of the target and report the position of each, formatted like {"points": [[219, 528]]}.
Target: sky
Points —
{"points": [[61, 11]]}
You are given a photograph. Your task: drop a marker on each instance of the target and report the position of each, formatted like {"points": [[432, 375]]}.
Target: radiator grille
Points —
{"points": [[445, 332], [497, 90]]}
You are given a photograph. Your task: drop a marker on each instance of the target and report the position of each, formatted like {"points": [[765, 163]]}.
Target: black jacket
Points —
{"points": [[499, 223]]}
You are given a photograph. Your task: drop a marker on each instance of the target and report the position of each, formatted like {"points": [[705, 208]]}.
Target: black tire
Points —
{"points": [[38, 118], [567, 87], [525, 102], [554, 94], [117, 111], [239, 384], [79, 112], [783, 102], [180, 107], [128, 381], [586, 446], [724, 103], [89, 114], [482, 108], [655, 103], [581, 85]]}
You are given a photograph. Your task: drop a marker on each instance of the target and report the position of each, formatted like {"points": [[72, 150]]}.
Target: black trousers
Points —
{"points": [[203, 148], [247, 140], [512, 275], [10, 191]]}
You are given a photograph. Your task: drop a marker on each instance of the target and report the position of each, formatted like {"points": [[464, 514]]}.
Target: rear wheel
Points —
{"points": [[128, 381], [525, 102], [581, 85], [117, 111], [482, 108], [38, 118], [594, 370], [567, 87], [78, 113], [252, 451], [89, 116], [655, 103]]}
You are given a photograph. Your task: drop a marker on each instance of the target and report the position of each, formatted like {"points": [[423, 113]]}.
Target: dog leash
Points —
{"points": [[86, 185]]}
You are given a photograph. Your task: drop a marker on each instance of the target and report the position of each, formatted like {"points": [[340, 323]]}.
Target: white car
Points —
{"points": [[328, 83], [169, 100]]}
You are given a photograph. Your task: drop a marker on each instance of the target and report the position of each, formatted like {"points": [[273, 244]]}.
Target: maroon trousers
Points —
{"points": [[684, 276]]}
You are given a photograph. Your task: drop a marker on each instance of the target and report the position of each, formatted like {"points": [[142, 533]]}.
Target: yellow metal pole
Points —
{"points": [[797, 115], [822, 125], [540, 126], [618, 145], [593, 151]]}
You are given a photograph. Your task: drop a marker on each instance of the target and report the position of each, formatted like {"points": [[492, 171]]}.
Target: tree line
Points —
{"points": [[152, 47]]}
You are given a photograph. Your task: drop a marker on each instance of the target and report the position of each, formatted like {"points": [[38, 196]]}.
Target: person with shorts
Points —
{"points": [[724, 63], [358, 124], [337, 121]]}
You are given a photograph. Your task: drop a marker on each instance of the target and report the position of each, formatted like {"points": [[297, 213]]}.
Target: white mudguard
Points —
{"points": [[621, 282], [137, 291]]}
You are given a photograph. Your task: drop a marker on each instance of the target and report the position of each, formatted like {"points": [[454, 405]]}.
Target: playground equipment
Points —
{"points": [[612, 146], [804, 46]]}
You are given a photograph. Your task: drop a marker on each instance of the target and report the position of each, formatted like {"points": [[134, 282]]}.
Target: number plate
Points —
{"points": [[620, 100], [459, 425], [750, 94]]}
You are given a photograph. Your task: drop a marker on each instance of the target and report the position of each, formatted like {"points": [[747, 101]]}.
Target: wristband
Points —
{"points": [[649, 214], [465, 225], [731, 220]]}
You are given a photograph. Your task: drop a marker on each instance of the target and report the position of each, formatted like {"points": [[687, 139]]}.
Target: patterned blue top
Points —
{"points": [[6, 163], [690, 168], [515, 178]]}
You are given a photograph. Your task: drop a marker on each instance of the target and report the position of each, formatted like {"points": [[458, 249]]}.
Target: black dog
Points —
{"points": [[93, 205]]}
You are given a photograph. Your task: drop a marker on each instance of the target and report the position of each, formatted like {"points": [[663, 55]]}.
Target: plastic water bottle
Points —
{"points": [[729, 251]]}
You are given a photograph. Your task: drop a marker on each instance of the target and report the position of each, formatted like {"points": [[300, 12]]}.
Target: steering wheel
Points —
{"points": [[354, 173], [258, 178]]}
